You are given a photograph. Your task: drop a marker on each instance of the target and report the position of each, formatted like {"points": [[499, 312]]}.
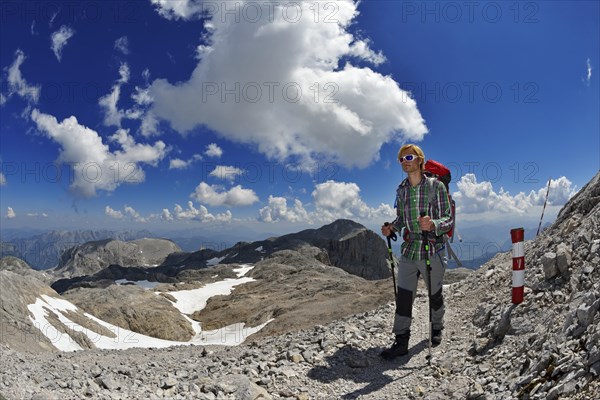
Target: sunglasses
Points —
{"points": [[408, 157]]}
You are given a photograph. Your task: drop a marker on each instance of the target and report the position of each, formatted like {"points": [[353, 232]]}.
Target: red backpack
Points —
{"points": [[439, 171]]}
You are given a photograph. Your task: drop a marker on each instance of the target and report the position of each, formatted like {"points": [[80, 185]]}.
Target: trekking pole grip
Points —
{"points": [[425, 234], [392, 234]]}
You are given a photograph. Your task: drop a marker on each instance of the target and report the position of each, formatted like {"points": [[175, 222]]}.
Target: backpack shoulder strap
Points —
{"points": [[430, 191]]}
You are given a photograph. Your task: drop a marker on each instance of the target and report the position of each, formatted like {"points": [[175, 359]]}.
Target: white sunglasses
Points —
{"points": [[408, 157]]}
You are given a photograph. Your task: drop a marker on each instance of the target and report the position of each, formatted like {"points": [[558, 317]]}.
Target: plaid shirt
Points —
{"points": [[410, 201]]}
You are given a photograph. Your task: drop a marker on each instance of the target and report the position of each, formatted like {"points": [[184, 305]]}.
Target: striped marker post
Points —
{"points": [[517, 236]]}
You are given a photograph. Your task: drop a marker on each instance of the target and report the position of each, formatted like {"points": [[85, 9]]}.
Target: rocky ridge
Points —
{"points": [[343, 243], [91, 257]]}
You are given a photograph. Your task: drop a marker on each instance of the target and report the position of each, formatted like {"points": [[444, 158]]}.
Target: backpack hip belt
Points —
{"points": [[418, 236]]}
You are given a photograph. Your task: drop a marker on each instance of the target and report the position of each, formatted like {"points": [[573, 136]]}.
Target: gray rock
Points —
{"points": [[563, 258], [245, 389], [549, 264], [168, 382], [108, 383]]}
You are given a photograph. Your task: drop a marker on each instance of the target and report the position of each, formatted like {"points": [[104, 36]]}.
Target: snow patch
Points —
{"points": [[188, 301], [214, 261]]}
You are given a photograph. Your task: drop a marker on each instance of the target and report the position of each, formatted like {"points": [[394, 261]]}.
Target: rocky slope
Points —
{"points": [[91, 257]]}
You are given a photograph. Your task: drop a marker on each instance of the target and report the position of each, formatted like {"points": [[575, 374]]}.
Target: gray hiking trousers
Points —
{"points": [[408, 275]]}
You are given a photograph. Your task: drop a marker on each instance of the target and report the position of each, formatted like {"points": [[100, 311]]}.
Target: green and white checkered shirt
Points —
{"points": [[410, 201]]}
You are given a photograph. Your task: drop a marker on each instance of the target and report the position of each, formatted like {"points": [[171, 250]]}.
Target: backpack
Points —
{"points": [[434, 169]]}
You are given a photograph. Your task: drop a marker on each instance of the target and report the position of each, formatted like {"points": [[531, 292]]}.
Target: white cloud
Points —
{"points": [[122, 45], [112, 115], [166, 215], [95, 166], [331, 200], [59, 40], [226, 172], [180, 9], [479, 197], [113, 213], [277, 210], [134, 214], [10, 214], [2, 179], [213, 150], [177, 163], [141, 96], [588, 76], [214, 196], [561, 190], [335, 200], [192, 213], [255, 70], [35, 215], [17, 84]]}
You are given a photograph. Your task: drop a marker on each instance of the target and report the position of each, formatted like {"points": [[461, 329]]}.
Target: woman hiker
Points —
{"points": [[412, 201]]}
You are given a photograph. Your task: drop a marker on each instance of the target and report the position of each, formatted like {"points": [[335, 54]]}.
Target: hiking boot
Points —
{"points": [[436, 337], [398, 348]]}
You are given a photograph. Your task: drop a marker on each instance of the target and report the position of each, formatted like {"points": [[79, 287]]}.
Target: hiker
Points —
{"points": [[412, 198]]}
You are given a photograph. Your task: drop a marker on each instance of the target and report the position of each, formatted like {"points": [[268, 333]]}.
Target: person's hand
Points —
{"points": [[386, 229], [426, 224]]}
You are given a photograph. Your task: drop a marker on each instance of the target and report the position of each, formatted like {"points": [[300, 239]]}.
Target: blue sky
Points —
{"points": [[272, 117]]}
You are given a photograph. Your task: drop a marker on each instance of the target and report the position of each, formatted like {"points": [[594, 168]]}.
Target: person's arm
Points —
{"points": [[398, 223]]}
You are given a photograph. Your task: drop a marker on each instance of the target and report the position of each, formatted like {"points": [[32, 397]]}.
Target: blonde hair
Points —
{"points": [[417, 150]]}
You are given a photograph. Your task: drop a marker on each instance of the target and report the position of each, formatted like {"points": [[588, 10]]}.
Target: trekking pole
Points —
{"points": [[393, 237], [428, 264]]}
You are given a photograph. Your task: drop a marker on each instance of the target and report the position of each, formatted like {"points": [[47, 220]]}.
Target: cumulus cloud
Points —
{"points": [[226, 172], [10, 214], [342, 200], [17, 83], [216, 196], [277, 210], [480, 197], [192, 213], [59, 40], [95, 167], [177, 163], [213, 150], [179, 213], [331, 200], [122, 45], [291, 85], [113, 213], [134, 214], [166, 215]]}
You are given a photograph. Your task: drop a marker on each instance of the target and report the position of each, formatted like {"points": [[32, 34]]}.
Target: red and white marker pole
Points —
{"points": [[518, 257]]}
